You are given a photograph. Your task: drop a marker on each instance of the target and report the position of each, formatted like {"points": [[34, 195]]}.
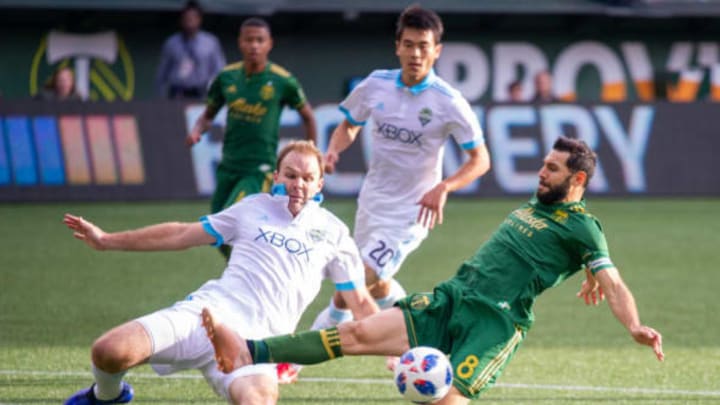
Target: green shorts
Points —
{"points": [[232, 186], [479, 339]]}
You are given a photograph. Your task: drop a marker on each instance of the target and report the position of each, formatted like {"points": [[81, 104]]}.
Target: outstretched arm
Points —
{"points": [[165, 236], [432, 203], [342, 137], [622, 305]]}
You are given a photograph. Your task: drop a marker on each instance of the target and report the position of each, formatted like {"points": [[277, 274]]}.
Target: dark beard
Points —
{"points": [[555, 194]]}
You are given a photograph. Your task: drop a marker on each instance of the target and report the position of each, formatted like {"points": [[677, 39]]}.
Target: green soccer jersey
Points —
{"points": [[254, 103], [536, 247]]}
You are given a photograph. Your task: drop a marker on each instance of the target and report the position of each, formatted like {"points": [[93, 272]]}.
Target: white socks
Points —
{"points": [[331, 316], [107, 386], [396, 292]]}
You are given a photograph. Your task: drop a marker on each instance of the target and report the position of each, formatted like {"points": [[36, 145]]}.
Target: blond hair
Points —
{"points": [[302, 147]]}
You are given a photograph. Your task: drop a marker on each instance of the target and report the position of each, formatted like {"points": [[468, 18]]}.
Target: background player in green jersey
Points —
{"points": [[255, 92], [481, 315]]}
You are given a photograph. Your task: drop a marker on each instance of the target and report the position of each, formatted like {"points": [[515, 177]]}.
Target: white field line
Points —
{"points": [[384, 381]]}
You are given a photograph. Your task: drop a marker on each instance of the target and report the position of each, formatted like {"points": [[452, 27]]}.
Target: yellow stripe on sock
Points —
{"points": [[330, 338]]}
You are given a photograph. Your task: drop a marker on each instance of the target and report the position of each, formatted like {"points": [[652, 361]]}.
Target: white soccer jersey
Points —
{"points": [[278, 261], [410, 128]]}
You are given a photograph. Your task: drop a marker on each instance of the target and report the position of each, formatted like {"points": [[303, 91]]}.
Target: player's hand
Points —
{"points": [[591, 292], [648, 336], [432, 204], [192, 138], [330, 160], [86, 231]]}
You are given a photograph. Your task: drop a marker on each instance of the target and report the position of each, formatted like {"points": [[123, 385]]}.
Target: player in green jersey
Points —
{"points": [[255, 92], [481, 315]]}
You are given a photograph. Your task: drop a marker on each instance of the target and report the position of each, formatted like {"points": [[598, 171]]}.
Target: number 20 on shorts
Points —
{"points": [[382, 254]]}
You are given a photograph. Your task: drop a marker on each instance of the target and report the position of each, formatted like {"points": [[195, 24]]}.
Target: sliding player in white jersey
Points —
{"points": [[284, 244], [413, 113]]}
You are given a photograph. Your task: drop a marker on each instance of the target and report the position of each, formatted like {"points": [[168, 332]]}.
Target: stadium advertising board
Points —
{"points": [[92, 151], [120, 63], [644, 149], [135, 151], [678, 71]]}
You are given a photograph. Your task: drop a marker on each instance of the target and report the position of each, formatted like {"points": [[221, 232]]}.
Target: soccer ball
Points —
{"points": [[423, 375]]}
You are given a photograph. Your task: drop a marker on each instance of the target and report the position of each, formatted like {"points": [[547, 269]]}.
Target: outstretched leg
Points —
{"points": [[382, 333], [231, 350]]}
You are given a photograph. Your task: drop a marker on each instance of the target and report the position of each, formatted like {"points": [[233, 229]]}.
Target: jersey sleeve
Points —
{"points": [[294, 95], [463, 125], [215, 98], [346, 270], [223, 225], [356, 106], [594, 250]]}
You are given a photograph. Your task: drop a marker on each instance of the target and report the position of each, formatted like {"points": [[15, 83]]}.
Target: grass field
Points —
{"points": [[56, 296]]}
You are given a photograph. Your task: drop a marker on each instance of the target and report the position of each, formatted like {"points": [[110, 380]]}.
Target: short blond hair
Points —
{"points": [[302, 147]]}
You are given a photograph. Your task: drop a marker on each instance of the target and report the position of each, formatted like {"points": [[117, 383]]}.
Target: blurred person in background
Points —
{"points": [[515, 92], [543, 88], [190, 59], [255, 92], [60, 87]]}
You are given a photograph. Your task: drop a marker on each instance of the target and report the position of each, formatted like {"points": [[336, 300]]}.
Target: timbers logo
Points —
{"points": [[101, 63]]}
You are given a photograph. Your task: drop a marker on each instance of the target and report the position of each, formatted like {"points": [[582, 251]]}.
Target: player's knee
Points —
{"points": [[109, 356]]}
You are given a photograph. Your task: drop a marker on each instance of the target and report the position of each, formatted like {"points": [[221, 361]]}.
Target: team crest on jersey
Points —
{"points": [[267, 91], [419, 302], [316, 235], [425, 116], [231, 89], [560, 216]]}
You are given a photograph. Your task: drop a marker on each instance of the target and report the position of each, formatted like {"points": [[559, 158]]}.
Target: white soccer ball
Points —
{"points": [[423, 375]]}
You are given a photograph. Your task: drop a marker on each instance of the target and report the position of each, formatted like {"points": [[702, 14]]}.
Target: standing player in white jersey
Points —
{"points": [[284, 244], [413, 113]]}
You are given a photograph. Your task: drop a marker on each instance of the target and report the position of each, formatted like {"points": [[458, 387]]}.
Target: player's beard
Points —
{"points": [[554, 194]]}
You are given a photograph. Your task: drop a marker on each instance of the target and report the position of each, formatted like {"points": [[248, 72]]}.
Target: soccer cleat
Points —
{"points": [[287, 373], [86, 396]]}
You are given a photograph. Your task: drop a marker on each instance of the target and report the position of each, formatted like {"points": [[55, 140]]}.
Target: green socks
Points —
{"points": [[311, 347]]}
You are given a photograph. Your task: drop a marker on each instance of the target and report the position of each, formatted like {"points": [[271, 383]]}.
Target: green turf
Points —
{"points": [[56, 296]]}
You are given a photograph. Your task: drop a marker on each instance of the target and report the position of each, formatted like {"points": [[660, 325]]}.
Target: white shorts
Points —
{"points": [[179, 343], [384, 245]]}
